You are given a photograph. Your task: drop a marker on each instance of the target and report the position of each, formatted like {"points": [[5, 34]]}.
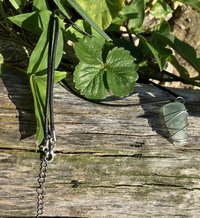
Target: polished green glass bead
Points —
{"points": [[175, 117]]}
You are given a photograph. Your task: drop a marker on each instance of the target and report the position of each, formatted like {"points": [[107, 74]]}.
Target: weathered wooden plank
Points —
{"points": [[82, 125], [91, 185], [110, 161]]}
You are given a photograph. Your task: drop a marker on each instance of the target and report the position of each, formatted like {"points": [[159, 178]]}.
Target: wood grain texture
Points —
{"points": [[112, 160]]}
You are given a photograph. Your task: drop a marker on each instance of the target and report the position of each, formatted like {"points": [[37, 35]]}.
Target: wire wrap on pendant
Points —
{"points": [[175, 117]]}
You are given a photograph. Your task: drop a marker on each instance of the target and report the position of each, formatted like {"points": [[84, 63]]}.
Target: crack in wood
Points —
{"points": [[93, 153], [171, 186]]}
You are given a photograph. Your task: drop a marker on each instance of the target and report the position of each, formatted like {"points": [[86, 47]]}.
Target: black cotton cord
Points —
{"points": [[65, 84], [53, 39], [46, 125], [164, 89]]}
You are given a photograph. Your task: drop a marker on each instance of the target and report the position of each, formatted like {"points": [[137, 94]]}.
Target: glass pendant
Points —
{"points": [[175, 117]]}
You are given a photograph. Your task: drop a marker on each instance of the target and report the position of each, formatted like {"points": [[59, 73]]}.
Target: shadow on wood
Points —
{"points": [[152, 104], [19, 92]]}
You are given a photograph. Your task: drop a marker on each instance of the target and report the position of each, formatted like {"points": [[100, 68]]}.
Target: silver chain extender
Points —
{"points": [[47, 155], [40, 189]]}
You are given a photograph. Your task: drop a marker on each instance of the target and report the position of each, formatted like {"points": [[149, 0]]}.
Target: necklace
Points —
{"points": [[47, 148]]}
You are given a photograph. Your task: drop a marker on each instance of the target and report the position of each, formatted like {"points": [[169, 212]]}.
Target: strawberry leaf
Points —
{"points": [[121, 72], [89, 79], [99, 73], [90, 50]]}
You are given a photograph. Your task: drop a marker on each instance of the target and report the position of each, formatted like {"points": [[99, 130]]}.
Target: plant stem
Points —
{"points": [[9, 66], [184, 81], [16, 41]]}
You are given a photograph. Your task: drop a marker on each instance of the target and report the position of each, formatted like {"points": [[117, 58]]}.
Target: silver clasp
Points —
{"points": [[48, 149]]}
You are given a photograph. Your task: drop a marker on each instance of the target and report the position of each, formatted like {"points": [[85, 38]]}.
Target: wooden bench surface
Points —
{"points": [[112, 160]]}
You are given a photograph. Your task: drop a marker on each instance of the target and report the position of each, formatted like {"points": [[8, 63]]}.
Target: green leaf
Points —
{"points": [[61, 5], [99, 72], [35, 22], [187, 52], [160, 53], [89, 75], [102, 11], [88, 19], [134, 14], [16, 5], [164, 28], [161, 9], [181, 69], [40, 5], [38, 59], [89, 79], [184, 49], [27, 21], [21, 4], [1, 63], [90, 50], [38, 87], [121, 72], [194, 3], [74, 34]]}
